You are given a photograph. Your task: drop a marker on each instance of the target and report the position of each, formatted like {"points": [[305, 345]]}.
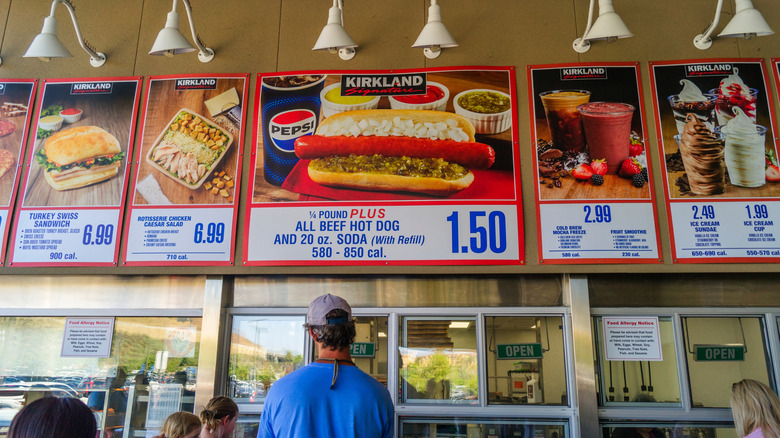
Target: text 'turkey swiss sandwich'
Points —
{"points": [[421, 151]]}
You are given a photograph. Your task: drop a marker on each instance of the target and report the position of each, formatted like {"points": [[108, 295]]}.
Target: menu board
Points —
{"points": [[398, 167], [593, 188], [16, 97], [717, 137], [185, 193], [75, 183]]}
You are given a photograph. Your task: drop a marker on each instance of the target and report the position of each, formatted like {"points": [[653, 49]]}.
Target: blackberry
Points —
{"points": [[638, 180], [597, 180], [644, 174]]}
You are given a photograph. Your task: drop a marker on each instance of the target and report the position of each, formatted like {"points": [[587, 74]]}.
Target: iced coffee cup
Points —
{"points": [[745, 150], [560, 107], [692, 100], [607, 131], [702, 156]]}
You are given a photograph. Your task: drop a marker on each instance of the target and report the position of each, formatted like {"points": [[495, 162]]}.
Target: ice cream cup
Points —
{"points": [[485, 122], [435, 99], [333, 102], [724, 105], [704, 110], [745, 157], [704, 167], [563, 119]]}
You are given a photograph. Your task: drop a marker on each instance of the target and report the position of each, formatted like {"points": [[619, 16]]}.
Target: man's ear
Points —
{"points": [[313, 336]]}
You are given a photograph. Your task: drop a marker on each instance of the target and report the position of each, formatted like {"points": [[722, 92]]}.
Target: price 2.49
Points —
{"points": [[103, 235], [215, 233], [487, 230]]}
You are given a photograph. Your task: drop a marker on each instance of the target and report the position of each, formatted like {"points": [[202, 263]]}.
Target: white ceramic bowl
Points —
{"points": [[51, 126], [437, 105], [72, 118], [330, 108], [485, 123]]}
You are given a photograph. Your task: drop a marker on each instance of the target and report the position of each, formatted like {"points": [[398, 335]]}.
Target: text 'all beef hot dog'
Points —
{"points": [[395, 150]]}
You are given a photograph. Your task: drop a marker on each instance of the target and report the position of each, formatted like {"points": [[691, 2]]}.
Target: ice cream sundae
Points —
{"points": [[745, 151], [732, 93], [692, 100], [702, 156]]}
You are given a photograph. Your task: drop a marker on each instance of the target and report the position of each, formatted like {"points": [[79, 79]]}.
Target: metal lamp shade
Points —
{"points": [[46, 44], [435, 33], [170, 40], [608, 25], [747, 21], [333, 35]]}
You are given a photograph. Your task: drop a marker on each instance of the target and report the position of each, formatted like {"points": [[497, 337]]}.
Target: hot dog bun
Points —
{"points": [[392, 183]]}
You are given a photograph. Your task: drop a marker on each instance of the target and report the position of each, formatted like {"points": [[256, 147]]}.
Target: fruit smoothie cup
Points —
{"points": [[560, 107], [607, 131]]}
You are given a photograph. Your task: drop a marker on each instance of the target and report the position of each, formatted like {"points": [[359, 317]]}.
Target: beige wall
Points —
{"points": [[277, 35]]}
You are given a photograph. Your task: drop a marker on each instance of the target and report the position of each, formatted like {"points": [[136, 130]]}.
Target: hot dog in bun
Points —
{"points": [[78, 157], [395, 150]]}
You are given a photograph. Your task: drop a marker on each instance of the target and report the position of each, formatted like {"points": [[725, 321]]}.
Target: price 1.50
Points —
{"points": [[486, 230], [103, 235], [215, 233]]}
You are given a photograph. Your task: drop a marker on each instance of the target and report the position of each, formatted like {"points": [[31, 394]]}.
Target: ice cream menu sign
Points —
{"points": [[717, 137], [593, 182], [76, 176], [16, 97], [385, 167], [184, 199]]}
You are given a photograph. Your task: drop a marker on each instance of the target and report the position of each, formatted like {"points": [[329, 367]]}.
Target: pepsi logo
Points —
{"points": [[286, 126]]}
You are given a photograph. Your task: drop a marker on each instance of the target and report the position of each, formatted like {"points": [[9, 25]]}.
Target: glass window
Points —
{"points": [[438, 360], [724, 350], [664, 430], [525, 360], [482, 427], [263, 349], [369, 352], [145, 353], [246, 426], [639, 382]]}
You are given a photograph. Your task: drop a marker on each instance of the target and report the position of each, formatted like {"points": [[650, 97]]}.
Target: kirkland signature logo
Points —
{"points": [[697, 70], [571, 74], [196, 84], [91, 88], [383, 85]]}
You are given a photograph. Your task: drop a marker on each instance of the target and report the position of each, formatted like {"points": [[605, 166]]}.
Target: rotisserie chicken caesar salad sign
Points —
{"points": [[185, 196], [717, 141], [397, 167], [593, 182], [76, 179], [16, 97]]}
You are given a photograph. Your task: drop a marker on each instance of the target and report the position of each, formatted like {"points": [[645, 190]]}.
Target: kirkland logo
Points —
{"points": [[383, 85], [285, 127], [697, 70], [196, 84], [571, 74], [91, 88]]}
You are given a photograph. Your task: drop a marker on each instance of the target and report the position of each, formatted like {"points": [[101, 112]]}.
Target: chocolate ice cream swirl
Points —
{"points": [[702, 156]]}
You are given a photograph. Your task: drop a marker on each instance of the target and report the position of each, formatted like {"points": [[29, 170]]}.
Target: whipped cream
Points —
{"points": [[745, 150], [690, 92]]}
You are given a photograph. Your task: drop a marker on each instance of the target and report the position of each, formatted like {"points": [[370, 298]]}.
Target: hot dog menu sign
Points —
{"points": [[379, 167], [719, 152], [76, 179]]}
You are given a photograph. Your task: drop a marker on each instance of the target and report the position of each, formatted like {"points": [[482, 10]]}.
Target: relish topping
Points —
{"points": [[401, 166], [484, 102]]}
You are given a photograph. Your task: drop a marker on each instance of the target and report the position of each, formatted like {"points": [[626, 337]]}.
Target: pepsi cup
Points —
{"points": [[290, 108]]}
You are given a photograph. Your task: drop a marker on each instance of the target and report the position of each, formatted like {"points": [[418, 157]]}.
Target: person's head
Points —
{"points": [[220, 413], [755, 405], [181, 425], [330, 322], [51, 417]]}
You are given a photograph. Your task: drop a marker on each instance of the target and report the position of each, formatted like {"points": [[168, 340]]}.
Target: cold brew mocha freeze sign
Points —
{"points": [[720, 174], [379, 167], [593, 181]]}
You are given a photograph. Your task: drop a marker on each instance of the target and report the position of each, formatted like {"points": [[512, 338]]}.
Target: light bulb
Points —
{"points": [[169, 53], [45, 58]]}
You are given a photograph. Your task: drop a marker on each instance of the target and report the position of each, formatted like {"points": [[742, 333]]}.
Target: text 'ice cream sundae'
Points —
{"points": [[745, 151], [702, 156], [692, 100]]}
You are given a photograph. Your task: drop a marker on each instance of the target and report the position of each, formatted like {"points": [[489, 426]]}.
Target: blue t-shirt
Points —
{"points": [[302, 405]]}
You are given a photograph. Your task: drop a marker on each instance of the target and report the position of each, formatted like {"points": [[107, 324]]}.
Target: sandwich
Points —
{"points": [[420, 151], [80, 156]]}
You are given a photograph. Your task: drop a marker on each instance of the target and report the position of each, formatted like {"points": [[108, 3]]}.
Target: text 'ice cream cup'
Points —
{"points": [[563, 119], [702, 155]]}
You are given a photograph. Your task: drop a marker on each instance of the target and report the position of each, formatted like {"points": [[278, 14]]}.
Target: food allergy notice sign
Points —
{"points": [[87, 337], [632, 338]]}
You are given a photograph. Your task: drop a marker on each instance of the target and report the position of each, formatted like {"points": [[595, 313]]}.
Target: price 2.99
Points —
{"points": [[486, 230]]}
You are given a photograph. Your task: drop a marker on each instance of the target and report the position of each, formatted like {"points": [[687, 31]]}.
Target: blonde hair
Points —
{"points": [[179, 424], [216, 409], [754, 405]]}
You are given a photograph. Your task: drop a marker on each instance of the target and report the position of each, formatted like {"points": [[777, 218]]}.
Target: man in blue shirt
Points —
{"points": [[331, 397]]}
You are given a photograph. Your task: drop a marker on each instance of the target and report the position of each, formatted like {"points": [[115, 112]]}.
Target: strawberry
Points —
{"points": [[582, 172], [635, 149], [773, 173], [599, 167], [629, 168]]}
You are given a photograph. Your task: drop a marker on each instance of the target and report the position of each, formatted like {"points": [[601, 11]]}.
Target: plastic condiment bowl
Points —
{"points": [[485, 123], [436, 105], [54, 123], [330, 108], [72, 118]]}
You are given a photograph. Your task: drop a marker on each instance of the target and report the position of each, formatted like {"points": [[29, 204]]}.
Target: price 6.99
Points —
{"points": [[102, 235], [486, 230], [215, 233]]}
